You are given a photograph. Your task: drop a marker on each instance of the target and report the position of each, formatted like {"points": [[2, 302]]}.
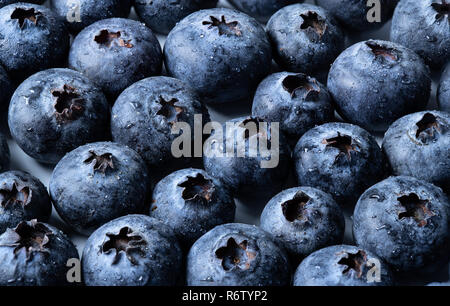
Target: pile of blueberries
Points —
{"points": [[92, 94]]}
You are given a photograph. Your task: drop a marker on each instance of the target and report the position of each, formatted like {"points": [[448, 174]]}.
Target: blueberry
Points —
{"points": [[7, 2], [133, 250], [303, 220], [32, 39], [116, 53], [191, 202], [144, 115], [339, 158], [162, 15], [79, 14], [405, 222], [22, 197], [443, 96], [222, 53], [244, 168], [297, 101], [342, 265], [4, 154], [305, 38], [423, 26], [35, 254], [236, 254], [261, 9], [418, 145], [6, 90], [98, 182], [376, 82], [54, 111], [353, 14], [447, 284]]}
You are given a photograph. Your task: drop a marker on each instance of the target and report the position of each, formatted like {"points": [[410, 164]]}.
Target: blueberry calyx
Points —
{"points": [[15, 196], [294, 209], [343, 143], [170, 110], [69, 106], [236, 256], [383, 52], [312, 21], [415, 208], [301, 83], [225, 28], [197, 187], [22, 15], [442, 9], [354, 262], [101, 162], [108, 39], [124, 242], [427, 127]]}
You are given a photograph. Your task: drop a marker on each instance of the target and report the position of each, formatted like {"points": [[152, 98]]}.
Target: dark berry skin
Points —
{"points": [[376, 82], [56, 110], [443, 94], [143, 117], [191, 202], [297, 101], [35, 254], [6, 90], [405, 222], [303, 220], [341, 159], [305, 38], [237, 255], [341, 265], [32, 39], [423, 26], [4, 154], [98, 182], [89, 11], [261, 9], [162, 15], [7, 2], [352, 14], [418, 145], [223, 54], [116, 53], [22, 197], [242, 171], [133, 250]]}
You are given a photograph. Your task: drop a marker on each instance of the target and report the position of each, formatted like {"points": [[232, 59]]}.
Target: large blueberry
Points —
{"points": [[376, 82], [133, 250], [237, 255], [405, 222], [4, 154], [305, 38], [162, 15], [339, 158], [54, 111], [303, 220], [423, 26], [419, 145], [35, 254], [98, 182], [298, 102], [144, 115], [191, 202], [32, 38], [116, 53], [261, 9], [22, 198], [443, 94], [343, 265], [222, 53]]}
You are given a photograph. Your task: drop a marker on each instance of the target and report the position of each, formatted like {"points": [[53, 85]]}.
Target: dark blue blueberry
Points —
{"points": [[405, 222], [443, 96], [54, 111], [240, 164], [298, 102], [116, 53], [134, 250], [447, 284], [376, 82], [305, 38], [4, 154], [237, 255], [423, 26], [79, 14], [341, 159], [222, 53], [22, 198], [191, 202], [162, 15], [342, 265], [303, 220], [6, 90], [98, 182], [32, 39], [7, 2], [261, 9], [418, 145], [35, 254], [352, 14]]}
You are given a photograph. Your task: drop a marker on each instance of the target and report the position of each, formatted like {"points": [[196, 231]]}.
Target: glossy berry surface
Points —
{"points": [[261, 9], [443, 95]]}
